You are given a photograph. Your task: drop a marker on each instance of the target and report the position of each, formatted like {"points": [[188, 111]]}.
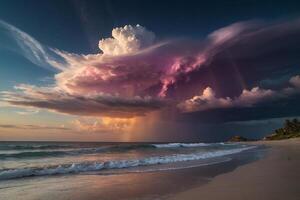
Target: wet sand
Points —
{"points": [[275, 177]]}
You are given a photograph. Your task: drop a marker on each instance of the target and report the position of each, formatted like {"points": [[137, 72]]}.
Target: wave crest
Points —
{"points": [[115, 164]]}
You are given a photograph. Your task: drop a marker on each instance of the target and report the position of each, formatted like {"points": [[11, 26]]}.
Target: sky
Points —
{"points": [[147, 71]]}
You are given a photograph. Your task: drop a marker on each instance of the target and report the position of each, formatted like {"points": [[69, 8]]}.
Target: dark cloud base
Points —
{"points": [[276, 109]]}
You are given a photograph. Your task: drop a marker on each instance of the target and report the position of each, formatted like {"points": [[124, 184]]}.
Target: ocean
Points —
{"points": [[41, 169], [27, 159]]}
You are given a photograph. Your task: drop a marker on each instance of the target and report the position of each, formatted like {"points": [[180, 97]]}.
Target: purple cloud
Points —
{"points": [[134, 74]]}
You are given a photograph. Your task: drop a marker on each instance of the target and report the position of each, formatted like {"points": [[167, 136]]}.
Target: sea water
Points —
{"points": [[35, 159]]}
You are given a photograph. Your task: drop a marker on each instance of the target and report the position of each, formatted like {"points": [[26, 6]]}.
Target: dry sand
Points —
{"points": [[276, 177]]}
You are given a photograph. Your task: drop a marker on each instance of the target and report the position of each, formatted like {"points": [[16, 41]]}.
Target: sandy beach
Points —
{"points": [[268, 172], [274, 177], [158, 181]]}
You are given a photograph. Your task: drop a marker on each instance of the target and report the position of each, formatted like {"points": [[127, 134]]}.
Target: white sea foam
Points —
{"points": [[114, 164], [182, 167], [45, 152], [187, 145]]}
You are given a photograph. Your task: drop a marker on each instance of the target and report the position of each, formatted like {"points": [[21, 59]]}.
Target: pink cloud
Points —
{"points": [[132, 64], [134, 74]]}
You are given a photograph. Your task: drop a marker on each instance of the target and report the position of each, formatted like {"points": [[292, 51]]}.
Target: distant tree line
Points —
{"points": [[290, 129]]}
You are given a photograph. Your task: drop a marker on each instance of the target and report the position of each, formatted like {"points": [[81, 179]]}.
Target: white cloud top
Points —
{"points": [[126, 40]]}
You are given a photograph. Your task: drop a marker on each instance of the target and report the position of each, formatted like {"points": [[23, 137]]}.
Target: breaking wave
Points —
{"points": [[113, 164], [65, 150]]}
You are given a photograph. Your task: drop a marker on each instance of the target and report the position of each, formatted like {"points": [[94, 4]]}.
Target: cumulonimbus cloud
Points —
{"points": [[134, 74], [132, 64]]}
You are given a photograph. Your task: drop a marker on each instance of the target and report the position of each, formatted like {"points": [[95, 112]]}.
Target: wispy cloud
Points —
{"points": [[89, 105], [28, 112], [32, 127], [30, 48]]}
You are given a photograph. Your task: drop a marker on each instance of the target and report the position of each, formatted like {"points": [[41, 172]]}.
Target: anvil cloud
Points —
{"points": [[135, 73]]}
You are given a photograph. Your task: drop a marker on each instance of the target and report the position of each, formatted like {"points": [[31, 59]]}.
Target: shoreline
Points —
{"points": [[274, 177], [111, 185], [267, 172]]}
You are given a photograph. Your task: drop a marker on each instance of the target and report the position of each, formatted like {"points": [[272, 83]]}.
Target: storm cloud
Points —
{"points": [[247, 98], [243, 65]]}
